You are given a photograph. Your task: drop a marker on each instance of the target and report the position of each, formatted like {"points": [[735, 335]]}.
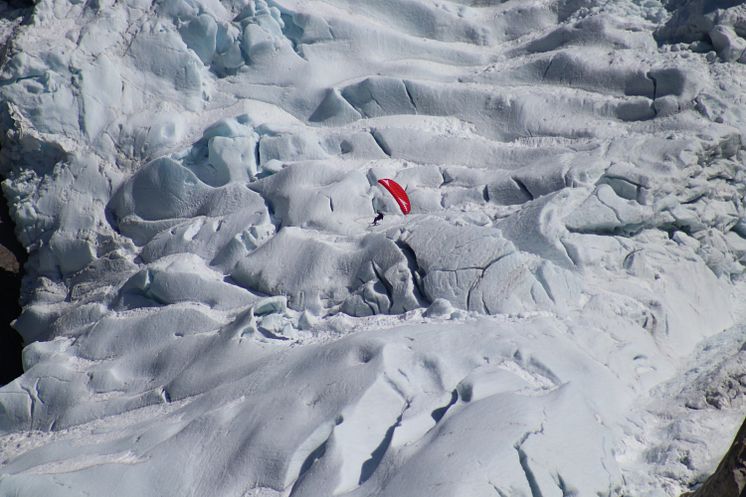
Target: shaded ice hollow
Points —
{"points": [[207, 310]]}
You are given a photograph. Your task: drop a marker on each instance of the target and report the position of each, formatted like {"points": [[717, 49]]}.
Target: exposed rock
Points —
{"points": [[12, 257], [729, 479]]}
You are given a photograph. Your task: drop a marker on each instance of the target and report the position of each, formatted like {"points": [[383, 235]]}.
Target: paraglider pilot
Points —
{"points": [[379, 217], [399, 194]]}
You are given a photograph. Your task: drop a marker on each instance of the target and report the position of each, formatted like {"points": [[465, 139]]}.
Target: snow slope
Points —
{"points": [[208, 311]]}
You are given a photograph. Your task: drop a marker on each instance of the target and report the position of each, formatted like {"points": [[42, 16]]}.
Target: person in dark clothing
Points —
{"points": [[378, 218]]}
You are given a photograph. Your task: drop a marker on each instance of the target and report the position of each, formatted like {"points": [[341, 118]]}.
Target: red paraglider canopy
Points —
{"points": [[398, 193]]}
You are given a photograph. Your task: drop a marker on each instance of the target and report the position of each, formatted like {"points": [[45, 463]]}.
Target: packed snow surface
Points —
{"points": [[208, 310]]}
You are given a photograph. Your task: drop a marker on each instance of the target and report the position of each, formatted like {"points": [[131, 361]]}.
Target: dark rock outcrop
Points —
{"points": [[729, 479], [12, 258]]}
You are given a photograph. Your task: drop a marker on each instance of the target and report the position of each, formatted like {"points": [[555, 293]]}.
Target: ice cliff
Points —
{"points": [[207, 310]]}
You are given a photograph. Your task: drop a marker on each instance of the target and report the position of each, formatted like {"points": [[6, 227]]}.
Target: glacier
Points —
{"points": [[207, 309]]}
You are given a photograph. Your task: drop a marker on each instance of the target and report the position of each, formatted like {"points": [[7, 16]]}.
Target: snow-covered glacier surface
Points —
{"points": [[209, 312]]}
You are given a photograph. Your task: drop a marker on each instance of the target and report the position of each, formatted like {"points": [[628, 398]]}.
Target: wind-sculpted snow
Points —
{"points": [[209, 311], [415, 389]]}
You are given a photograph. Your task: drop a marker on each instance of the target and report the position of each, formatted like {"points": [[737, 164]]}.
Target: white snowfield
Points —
{"points": [[209, 312]]}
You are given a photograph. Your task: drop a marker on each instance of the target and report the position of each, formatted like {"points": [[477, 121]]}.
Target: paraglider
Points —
{"points": [[398, 193], [378, 218]]}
